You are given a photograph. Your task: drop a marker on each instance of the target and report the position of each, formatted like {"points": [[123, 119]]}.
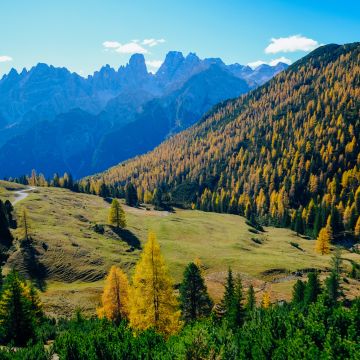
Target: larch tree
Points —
{"points": [[117, 215], [25, 224], [153, 303], [357, 228], [115, 297], [265, 303], [322, 244], [194, 298]]}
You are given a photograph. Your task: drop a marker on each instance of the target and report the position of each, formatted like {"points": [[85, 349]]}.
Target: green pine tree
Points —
{"points": [[131, 197], [17, 317], [312, 289], [250, 300], [194, 298], [299, 293]]}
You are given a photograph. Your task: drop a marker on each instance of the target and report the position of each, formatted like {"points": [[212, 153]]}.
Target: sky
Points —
{"points": [[84, 35]]}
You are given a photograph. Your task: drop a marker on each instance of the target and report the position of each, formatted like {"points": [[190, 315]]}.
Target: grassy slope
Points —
{"points": [[7, 190], [77, 257]]}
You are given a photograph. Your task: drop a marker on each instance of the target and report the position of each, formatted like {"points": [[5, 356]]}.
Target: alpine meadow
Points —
{"points": [[196, 207]]}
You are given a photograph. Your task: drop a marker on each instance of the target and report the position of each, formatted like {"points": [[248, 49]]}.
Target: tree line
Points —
{"points": [[147, 318]]}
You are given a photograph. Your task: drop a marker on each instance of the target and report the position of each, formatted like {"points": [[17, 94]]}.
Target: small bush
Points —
{"points": [[257, 241], [98, 228], [295, 245]]}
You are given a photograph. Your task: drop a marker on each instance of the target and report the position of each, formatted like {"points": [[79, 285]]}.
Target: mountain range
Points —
{"points": [[53, 120], [287, 153]]}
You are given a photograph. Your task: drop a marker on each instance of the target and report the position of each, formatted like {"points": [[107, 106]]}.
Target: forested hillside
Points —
{"points": [[287, 153]]}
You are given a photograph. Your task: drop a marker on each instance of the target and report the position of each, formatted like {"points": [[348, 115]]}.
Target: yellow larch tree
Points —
{"points": [[153, 303], [25, 224], [115, 297], [322, 244], [265, 303], [357, 228], [117, 215]]}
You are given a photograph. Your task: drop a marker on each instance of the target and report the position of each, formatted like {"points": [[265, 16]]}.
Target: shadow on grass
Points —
{"points": [[35, 269], [127, 236]]}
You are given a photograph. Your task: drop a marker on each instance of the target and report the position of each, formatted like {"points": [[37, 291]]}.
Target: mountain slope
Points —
{"points": [[288, 152]]}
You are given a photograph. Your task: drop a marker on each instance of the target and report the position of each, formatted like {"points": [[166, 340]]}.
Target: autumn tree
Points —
{"points": [[25, 224], [265, 302], [117, 214], [322, 245], [115, 296], [194, 298], [152, 301], [357, 229]]}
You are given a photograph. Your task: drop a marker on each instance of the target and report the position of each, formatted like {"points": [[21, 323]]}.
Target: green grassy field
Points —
{"points": [[76, 257]]}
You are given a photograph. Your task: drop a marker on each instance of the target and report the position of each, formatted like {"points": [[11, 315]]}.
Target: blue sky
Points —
{"points": [[83, 35]]}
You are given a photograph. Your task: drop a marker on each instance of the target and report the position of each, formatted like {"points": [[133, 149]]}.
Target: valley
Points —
{"points": [[76, 255]]}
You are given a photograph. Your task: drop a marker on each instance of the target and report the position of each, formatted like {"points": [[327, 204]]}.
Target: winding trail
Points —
{"points": [[22, 194]]}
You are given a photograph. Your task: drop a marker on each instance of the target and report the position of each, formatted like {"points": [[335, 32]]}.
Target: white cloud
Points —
{"points": [[154, 65], [152, 42], [272, 62], [5, 58], [291, 44], [131, 48], [111, 44]]}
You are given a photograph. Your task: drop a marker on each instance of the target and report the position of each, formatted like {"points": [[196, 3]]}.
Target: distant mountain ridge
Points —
{"points": [[132, 98]]}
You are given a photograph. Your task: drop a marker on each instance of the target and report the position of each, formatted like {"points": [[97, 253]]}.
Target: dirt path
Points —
{"points": [[22, 194]]}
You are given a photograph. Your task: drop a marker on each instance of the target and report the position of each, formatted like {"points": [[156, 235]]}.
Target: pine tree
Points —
{"points": [[312, 288], [229, 292], [131, 198], [194, 298], [115, 296], [152, 301], [250, 300], [299, 292], [231, 304], [117, 215], [157, 199], [17, 317], [5, 234], [332, 283], [236, 314]]}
